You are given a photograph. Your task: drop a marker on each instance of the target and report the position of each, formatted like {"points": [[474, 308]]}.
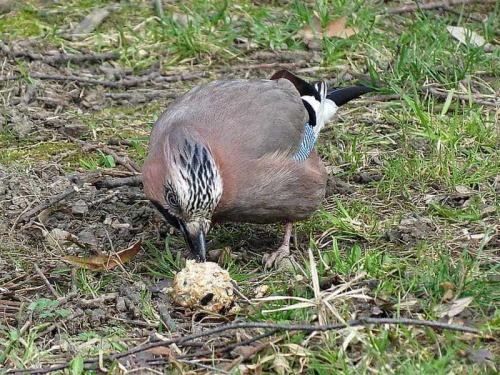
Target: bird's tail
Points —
{"points": [[320, 103]]}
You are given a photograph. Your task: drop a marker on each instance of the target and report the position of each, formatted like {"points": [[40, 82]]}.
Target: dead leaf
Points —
{"points": [[447, 285], [44, 215], [297, 350], [160, 351], [466, 36], [105, 262], [245, 351], [480, 356], [58, 237], [448, 295], [337, 29], [309, 35], [453, 308], [280, 365], [262, 290], [463, 190]]}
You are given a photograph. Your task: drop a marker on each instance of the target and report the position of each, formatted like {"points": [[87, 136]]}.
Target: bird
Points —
{"points": [[241, 151]]}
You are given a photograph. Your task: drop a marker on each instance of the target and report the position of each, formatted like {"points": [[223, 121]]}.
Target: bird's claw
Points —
{"points": [[272, 260]]}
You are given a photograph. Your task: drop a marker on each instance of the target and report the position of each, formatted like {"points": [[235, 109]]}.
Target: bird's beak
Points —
{"points": [[195, 239]]}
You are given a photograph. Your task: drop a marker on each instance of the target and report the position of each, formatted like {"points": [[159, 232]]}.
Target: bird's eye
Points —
{"points": [[171, 199]]}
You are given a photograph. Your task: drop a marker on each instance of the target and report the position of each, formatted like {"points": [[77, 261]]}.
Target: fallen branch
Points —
{"points": [[428, 6], [189, 76], [60, 58], [128, 81], [86, 146], [135, 322], [67, 78], [46, 281], [470, 16], [179, 341], [103, 199], [118, 182], [9, 309], [46, 204], [383, 98], [53, 326], [68, 297], [292, 65], [166, 318], [127, 163], [475, 98], [230, 347], [87, 303], [120, 142], [256, 349], [141, 96]]}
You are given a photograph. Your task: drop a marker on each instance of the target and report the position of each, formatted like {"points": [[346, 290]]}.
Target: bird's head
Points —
{"points": [[185, 186]]}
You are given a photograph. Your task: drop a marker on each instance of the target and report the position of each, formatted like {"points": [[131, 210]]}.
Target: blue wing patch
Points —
{"points": [[306, 146]]}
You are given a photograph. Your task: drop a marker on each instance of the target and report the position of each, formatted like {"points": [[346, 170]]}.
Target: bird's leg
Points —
{"points": [[272, 260]]}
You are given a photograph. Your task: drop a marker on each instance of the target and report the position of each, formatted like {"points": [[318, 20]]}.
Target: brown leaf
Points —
{"points": [[244, 351], [453, 308], [337, 29], [160, 351], [316, 23], [448, 295], [44, 215], [309, 35], [447, 285], [280, 365], [105, 262]]}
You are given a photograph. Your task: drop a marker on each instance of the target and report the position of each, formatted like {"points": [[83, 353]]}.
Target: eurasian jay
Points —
{"points": [[241, 151]]}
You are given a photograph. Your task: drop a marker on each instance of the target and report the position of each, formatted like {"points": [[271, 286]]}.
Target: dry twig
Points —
{"points": [[60, 58], [127, 81], [86, 146], [427, 6], [118, 182], [292, 65], [46, 204], [58, 324], [249, 325], [449, 9], [141, 95], [45, 281], [475, 98], [227, 349], [86, 303]]}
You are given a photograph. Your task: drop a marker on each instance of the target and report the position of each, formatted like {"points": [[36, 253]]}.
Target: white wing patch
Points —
{"points": [[324, 108]]}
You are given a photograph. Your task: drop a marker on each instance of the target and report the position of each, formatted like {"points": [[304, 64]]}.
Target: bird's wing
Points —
{"points": [[253, 118], [321, 104]]}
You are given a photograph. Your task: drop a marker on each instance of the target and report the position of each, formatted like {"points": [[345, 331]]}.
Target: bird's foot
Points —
{"points": [[273, 260]]}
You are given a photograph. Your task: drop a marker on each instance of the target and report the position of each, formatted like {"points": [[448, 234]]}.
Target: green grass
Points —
{"points": [[426, 151]]}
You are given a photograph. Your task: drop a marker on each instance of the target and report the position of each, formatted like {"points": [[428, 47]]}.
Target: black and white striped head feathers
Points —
{"points": [[194, 187]]}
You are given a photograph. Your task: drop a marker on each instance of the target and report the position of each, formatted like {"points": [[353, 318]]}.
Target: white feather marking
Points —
{"points": [[330, 110], [324, 108], [312, 101]]}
